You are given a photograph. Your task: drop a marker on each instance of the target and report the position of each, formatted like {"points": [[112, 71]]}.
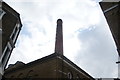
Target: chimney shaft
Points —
{"points": [[59, 38]]}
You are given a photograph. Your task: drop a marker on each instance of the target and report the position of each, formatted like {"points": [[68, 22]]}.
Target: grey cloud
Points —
{"points": [[98, 53]]}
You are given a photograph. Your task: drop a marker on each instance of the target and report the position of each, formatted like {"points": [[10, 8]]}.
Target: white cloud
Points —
{"points": [[83, 28]]}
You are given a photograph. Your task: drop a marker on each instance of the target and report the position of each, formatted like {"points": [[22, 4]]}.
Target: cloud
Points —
{"points": [[84, 28], [98, 51]]}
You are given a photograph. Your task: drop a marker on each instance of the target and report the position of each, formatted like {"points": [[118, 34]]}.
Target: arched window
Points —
{"points": [[2, 12], [70, 75], [20, 75], [78, 77], [29, 75]]}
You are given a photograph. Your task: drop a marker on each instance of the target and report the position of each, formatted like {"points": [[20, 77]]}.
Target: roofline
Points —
{"points": [[14, 12], [110, 8], [9, 9], [74, 65], [43, 59], [46, 59], [110, 1]]}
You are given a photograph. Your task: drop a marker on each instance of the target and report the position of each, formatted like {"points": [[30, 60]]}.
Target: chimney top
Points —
{"points": [[59, 21]]}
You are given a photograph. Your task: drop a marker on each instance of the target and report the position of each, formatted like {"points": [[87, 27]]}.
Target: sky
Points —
{"points": [[86, 36]]}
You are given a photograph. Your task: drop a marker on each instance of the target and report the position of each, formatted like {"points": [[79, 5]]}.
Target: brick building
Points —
{"points": [[52, 66], [55, 66]]}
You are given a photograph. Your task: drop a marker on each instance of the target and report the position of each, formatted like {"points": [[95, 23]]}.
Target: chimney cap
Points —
{"points": [[59, 21]]}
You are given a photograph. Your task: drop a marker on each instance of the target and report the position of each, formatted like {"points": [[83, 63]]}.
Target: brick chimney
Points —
{"points": [[59, 38]]}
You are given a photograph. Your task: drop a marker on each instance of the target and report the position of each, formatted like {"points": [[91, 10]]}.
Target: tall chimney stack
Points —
{"points": [[59, 38]]}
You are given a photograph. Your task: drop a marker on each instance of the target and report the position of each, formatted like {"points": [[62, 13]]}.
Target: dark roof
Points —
{"points": [[17, 64], [10, 9], [46, 58]]}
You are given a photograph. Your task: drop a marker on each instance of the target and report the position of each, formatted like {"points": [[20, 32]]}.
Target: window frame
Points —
{"points": [[70, 75], [15, 32], [2, 13], [6, 54]]}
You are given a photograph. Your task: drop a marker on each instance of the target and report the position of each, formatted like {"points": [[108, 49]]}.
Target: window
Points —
{"points": [[15, 32], [9, 45], [30, 75], [70, 76], [6, 54], [1, 13], [0, 31], [4, 59], [78, 77]]}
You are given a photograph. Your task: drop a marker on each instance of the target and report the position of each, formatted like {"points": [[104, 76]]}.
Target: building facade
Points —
{"points": [[54, 66], [10, 26]]}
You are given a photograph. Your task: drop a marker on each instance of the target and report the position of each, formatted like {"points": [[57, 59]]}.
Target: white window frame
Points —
{"points": [[8, 53], [1, 15], [6, 56], [9, 45], [0, 30], [70, 76], [110, 8], [18, 25], [15, 36]]}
